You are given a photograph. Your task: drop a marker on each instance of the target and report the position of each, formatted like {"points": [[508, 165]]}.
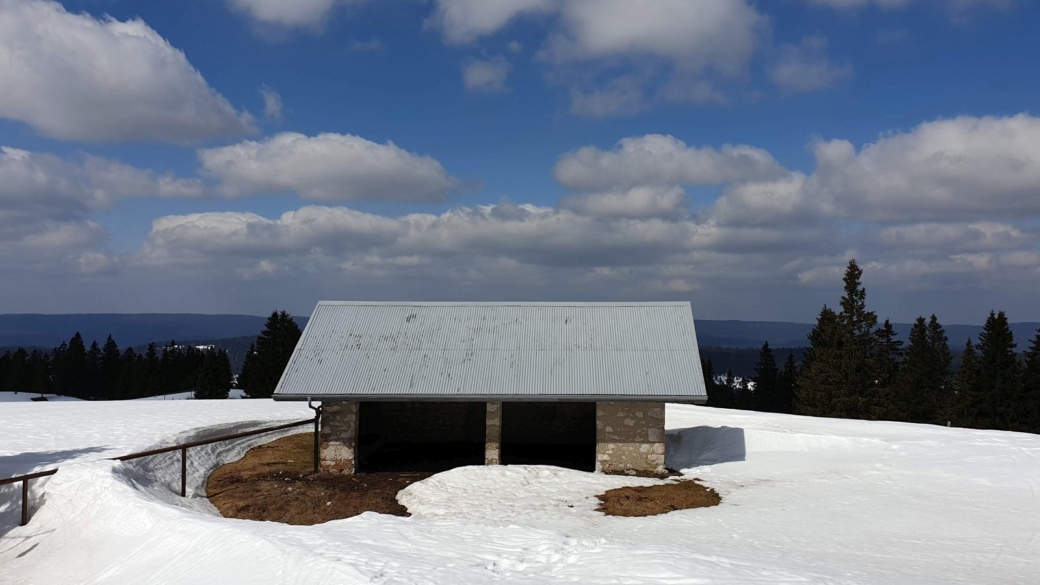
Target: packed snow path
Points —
{"points": [[804, 501]]}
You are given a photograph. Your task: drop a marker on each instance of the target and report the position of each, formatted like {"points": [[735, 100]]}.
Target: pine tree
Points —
{"points": [[111, 363], [711, 385], [214, 379], [1031, 385], [819, 381], [765, 396], [887, 361], [960, 412], [269, 356], [997, 388], [93, 381], [925, 389], [858, 396], [71, 369], [787, 385]]}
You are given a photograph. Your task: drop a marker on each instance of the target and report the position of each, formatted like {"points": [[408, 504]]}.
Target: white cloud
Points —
{"points": [[75, 77], [289, 13], [272, 103], [662, 46], [637, 202], [942, 170], [487, 75], [47, 203], [710, 34], [806, 67], [465, 21], [957, 237], [655, 159], [327, 167]]}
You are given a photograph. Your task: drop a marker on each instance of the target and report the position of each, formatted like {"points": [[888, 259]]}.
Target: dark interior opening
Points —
{"points": [[549, 433], [420, 436]]}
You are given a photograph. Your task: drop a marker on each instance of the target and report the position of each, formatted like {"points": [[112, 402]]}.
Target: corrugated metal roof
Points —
{"points": [[496, 351]]}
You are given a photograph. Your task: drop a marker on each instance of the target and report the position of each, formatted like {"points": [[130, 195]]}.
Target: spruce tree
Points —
{"points": [[820, 380], [214, 378], [887, 362], [787, 385], [111, 363], [1031, 385], [960, 411], [925, 388], [711, 385], [72, 370], [858, 396], [997, 389], [766, 378], [270, 355]]}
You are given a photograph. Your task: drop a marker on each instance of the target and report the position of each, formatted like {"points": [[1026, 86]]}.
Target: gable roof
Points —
{"points": [[496, 351]]}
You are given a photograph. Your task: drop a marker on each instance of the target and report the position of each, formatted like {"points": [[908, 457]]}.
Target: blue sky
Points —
{"points": [[730, 152]]}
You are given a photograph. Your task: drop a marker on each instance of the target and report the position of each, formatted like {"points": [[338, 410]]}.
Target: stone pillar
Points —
{"points": [[339, 421], [630, 438], [493, 440]]}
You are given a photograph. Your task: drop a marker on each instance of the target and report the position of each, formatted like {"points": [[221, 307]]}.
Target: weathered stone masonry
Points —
{"points": [[493, 442], [339, 424], [630, 437]]}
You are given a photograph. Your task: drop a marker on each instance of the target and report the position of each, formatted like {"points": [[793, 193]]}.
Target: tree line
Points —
{"points": [[856, 368], [104, 372]]}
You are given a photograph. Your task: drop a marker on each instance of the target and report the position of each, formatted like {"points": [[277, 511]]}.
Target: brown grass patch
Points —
{"points": [[275, 482], [651, 500]]}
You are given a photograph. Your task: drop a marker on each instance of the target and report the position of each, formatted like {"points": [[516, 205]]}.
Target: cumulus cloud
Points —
{"points": [[272, 103], [326, 167], [76, 77], [486, 75], [47, 202], [947, 169], [465, 21], [289, 13], [646, 201], [655, 159], [675, 40], [713, 34], [806, 67]]}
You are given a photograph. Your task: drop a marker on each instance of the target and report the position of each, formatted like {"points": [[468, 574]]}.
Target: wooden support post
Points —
{"points": [[25, 502], [184, 472]]}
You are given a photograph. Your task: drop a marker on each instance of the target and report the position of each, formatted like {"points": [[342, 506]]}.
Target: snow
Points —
{"points": [[28, 396], [804, 501]]}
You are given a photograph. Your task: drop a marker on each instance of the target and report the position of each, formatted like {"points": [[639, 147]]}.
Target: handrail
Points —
{"points": [[183, 448]]}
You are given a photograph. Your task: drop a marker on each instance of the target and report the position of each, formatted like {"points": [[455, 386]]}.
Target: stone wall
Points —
{"points": [[630, 437], [493, 442], [339, 423]]}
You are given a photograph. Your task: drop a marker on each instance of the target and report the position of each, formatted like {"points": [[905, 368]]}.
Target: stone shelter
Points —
{"points": [[430, 386]]}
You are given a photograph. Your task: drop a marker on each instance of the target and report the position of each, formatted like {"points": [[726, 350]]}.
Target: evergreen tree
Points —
{"points": [[997, 389], [887, 362], [5, 369], [786, 386], [925, 388], [820, 380], [215, 377], [711, 385], [71, 371], [20, 376], [1031, 385], [960, 411], [264, 365], [767, 379], [93, 380], [857, 396], [111, 365]]}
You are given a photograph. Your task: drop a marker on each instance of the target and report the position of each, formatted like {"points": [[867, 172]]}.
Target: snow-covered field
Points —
{"points": [[28, 396], [804, 501]]}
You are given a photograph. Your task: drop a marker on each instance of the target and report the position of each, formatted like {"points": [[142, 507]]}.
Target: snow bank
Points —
{"points": [[804, 501], [6, 397]]}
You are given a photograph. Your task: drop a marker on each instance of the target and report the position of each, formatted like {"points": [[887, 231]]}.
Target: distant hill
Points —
{"points": [[228, 331], [127, 329]]}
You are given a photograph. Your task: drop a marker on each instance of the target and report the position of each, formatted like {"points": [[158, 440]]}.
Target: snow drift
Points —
{"points": [[804, 501]]}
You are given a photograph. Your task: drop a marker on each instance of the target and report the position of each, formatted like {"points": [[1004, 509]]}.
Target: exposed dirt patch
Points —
{"points": [[275, 482], [657, 499]]}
